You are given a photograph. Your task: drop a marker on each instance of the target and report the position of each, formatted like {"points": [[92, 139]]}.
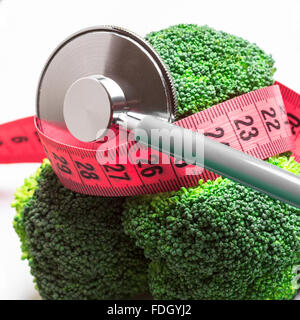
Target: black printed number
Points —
{"points": [[180, 163], [37, 136], [219, 134], [62, 164], [271, 114], [246, 135], [294, 122], [19, 139], [117, 168], [151, 171], [86, 170]]}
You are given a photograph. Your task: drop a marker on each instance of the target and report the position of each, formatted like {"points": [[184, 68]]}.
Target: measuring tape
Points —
{"points": [[262, 123], [292, 105]]}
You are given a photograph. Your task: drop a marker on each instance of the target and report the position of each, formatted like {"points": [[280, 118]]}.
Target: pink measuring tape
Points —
{"points": [[262, 123]]}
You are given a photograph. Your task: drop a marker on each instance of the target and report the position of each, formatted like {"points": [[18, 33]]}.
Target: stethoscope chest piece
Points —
{"points": [[98, 74]]}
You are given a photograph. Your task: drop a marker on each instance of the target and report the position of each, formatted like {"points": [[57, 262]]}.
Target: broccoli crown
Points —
{"points": [[219, 240], [75, 243], [210, 66]]}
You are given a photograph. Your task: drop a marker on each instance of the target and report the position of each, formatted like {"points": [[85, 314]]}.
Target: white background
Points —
{"points": [[31, 29]]}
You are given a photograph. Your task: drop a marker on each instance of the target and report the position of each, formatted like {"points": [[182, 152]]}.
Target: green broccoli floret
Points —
{"points": [[220, 286], [210, 66], [219, 240], [75, 243]]}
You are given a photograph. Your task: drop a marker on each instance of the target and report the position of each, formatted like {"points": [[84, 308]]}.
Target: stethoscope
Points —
{"points": [[107, 75]]}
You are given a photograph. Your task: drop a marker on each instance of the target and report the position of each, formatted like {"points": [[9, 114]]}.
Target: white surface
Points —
{"points": [[31, 29]]}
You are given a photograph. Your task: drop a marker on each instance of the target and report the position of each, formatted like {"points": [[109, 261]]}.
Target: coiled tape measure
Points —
{"points": [[261, 123]]}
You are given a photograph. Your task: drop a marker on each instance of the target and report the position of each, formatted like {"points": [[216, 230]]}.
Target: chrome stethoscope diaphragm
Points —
{"points": [[100, 73]]}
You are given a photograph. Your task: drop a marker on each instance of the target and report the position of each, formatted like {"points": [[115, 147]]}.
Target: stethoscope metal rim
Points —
{"points": [[169, 90]]}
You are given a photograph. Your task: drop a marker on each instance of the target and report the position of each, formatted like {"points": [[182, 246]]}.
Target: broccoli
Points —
{"points": [[209, 66], [75, 243], [218, 240]]}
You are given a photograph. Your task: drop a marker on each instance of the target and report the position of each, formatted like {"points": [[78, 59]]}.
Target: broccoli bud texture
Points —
{"points": [[209, 66], [75, 243], [217, 240]]}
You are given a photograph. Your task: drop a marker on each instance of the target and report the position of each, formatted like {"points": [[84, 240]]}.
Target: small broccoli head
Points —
{"points": [[210, 66], [75, 243], [219, 240]]}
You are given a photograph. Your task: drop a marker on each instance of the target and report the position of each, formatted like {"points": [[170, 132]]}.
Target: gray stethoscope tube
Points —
{"points": [[231, 163], [106, 75], [82, 101]]}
